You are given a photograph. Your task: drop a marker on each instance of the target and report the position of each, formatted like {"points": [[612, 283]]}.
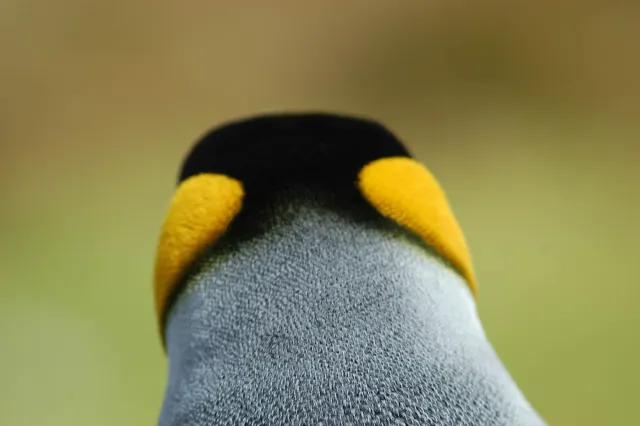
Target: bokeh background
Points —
{"points": [[527, 112]]}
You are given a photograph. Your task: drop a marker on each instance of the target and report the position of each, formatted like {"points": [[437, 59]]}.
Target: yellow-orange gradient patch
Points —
{"points": [[201, 211], [403, 190]]}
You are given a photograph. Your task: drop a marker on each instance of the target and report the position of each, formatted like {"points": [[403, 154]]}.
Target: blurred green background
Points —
{"points": [[526, 111]]}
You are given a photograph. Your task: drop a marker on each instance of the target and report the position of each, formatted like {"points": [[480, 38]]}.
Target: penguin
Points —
{"points": [[310, 271]]}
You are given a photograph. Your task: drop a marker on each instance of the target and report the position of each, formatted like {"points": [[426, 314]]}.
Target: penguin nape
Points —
{"points": [[309, 271]]}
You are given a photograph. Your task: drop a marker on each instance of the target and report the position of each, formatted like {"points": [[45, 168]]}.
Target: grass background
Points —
{"points": [[526, 112]]}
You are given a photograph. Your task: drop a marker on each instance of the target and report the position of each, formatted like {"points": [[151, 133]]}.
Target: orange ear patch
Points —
{"points": [[201, 211], [403, 190]]}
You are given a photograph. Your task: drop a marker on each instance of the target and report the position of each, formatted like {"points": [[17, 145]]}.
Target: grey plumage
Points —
{"points": [[326, 319]]}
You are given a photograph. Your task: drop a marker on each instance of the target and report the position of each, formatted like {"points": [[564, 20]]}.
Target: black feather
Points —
{"points": [[314, 149]]}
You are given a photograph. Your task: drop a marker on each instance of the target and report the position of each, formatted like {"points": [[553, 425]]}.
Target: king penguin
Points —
{"points": [[310, 271]]}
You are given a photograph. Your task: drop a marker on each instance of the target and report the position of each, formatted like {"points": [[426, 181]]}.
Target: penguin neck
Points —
{"points": [[302, 263]]}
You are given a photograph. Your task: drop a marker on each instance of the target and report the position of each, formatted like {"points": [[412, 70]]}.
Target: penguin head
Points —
{"points": [[236, 171]]}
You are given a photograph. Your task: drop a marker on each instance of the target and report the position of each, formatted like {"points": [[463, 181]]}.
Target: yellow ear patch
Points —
{"points": [[403, 190], [201, 211]]}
